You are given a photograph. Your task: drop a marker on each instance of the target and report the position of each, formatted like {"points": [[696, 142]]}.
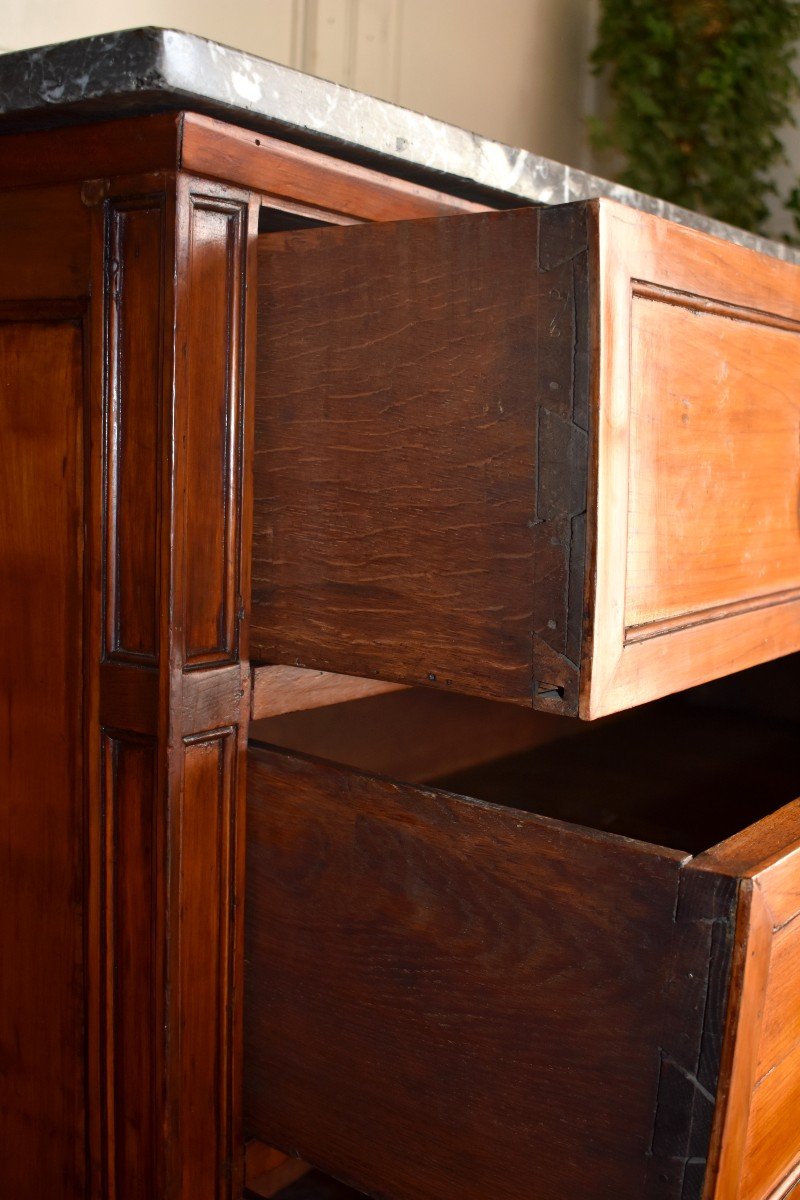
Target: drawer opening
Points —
{"points": [[439, 977], [685, 772]]}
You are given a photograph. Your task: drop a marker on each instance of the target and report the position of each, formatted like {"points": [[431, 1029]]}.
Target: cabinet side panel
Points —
{"points": [[133, 967], [213, 326], [135, 315], [206, 819], [42, 978]]}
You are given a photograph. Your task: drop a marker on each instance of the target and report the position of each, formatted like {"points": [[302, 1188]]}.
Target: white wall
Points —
{"points": [[514, 70]]}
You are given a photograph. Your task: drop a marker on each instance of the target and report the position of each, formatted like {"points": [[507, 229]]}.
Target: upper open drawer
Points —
{"points": [[550, 456]]}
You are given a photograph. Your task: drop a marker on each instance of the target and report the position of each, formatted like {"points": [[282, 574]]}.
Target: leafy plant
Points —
{"points": [[700, 90]]}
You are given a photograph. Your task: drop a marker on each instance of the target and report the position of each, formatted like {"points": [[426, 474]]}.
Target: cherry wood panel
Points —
{"points": [[696, 338], [756, 1142], [133, 987], [773, 1143], [173, 254], [46, 234], [721, 380], [91, 152], [137, 1075], [204, 888], [43, 1077], [136, 250], [285, 175], [214, 318], [281, 171], [497, 976], [781, 1020]]}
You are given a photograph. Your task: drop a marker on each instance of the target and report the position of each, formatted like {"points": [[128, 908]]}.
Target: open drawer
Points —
{"points": [[552, 989], [550, 456]]}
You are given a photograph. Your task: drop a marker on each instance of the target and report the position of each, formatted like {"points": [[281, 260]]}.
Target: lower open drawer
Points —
{"points": [[474, 997]]}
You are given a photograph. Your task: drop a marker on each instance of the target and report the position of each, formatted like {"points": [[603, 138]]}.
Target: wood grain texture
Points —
{"points": [[211, 319], [280, 171], [134, 983], [398, 507], [136, 253], [46, 234], [780, 1022], [88, 152], [718, 533], [773, 1142], [495, 975], [43, 1049], [278, 690]]}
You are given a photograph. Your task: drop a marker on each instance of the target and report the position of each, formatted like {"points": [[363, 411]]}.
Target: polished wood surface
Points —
{"points": [[282, 172], [696, 338], [571, 432], [757, 1141], [716, 534], [173, 702], [43, 1084]]}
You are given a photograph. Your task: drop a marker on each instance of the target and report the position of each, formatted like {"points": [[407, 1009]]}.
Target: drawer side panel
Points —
{"points": [[435, 986], [421, 453]]}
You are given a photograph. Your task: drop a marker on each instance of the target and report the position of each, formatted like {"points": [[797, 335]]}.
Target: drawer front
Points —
{"points": [[549, 456], [445, 997], [759, 1131]]}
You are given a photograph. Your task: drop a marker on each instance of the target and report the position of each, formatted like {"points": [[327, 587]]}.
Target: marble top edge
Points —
{"points": [[142, 70]]}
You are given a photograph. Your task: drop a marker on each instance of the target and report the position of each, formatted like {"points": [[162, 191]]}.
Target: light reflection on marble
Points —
{"points": [[147, 70]]}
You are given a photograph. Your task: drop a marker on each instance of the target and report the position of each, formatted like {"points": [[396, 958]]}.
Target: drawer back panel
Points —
{"points": [[395, 480]]}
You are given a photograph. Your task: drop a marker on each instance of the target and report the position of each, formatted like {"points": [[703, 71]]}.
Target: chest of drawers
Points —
{"points": [[288, 415]]}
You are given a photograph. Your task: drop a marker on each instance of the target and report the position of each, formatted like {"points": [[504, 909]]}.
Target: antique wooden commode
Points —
{"points": [[389, 452]]}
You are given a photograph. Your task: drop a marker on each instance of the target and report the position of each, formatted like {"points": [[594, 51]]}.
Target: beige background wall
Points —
{"points": [[514, 70]]}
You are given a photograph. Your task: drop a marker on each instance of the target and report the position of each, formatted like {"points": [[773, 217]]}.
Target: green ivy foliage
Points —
{"points": [[700, 89]]}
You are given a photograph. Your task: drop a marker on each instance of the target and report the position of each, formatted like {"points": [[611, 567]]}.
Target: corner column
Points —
{"points": [[172, 449]]}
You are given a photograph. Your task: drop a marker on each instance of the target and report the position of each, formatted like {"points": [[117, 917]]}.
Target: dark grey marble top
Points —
{"points": [[149, 70]]}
